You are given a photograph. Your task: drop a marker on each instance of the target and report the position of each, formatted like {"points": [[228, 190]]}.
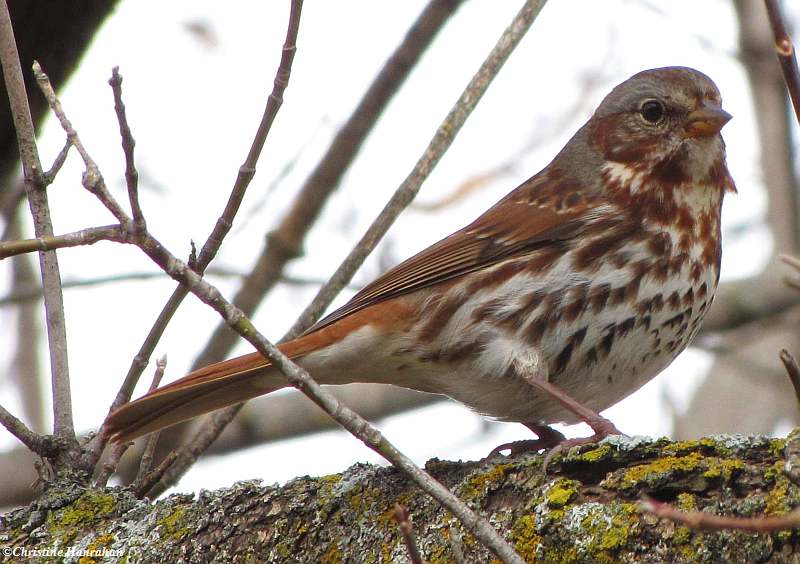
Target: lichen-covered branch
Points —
{"points": [[586, 509]]}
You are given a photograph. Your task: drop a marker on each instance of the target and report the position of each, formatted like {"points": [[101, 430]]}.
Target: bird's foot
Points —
{"points": [[602, 428], [548, 438]]}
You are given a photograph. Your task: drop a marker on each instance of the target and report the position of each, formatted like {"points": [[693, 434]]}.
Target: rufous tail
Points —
{"points": [[204, 390]]}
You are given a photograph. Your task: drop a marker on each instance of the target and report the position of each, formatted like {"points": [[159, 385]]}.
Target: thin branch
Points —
{"points": [[128, 145], [58, 162], [92, 179], [709, 522], [403, 518], [43, 227], [35, 442], [223, 224], [784, 49], [119, 449], [286, 241], [146, 462], [87, 236], [142, 488], [793, 371], [441, 141]]}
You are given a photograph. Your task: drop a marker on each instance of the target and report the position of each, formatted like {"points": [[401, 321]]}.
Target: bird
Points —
{"points": [[566, 296]]}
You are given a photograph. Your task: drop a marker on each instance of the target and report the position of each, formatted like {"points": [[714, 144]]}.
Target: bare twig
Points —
{"points": [[224, 223], [88, 236], [92, 179], [710, 522], [58, 162], [793, 370], [111, 463], [143, 486], [403, 518], [406, 192], [37, 198], [41, 445], [119, 449], [285, 242], [128, 145], [784, 49], [146, 462]]}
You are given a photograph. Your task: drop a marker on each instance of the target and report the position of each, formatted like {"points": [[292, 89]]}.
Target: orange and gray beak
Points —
{"points": [[706, 121]]}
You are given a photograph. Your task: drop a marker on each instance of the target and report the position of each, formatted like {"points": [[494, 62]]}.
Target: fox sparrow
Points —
{"points": [[570, 293]]}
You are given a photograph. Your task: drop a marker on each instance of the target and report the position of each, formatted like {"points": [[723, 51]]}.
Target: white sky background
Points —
{"points": [[194, 103]]}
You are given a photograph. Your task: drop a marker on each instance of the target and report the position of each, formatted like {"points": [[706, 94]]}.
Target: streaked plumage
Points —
{"points": [[593, 274]]}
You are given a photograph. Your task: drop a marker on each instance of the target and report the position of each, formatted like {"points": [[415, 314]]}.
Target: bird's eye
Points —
{"points": [[652, 111]]}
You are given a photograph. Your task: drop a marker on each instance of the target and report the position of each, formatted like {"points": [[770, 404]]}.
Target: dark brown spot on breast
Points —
{"points": [[660, 271], [677, 262], [444, 312], [549, 314], [617, 295], [608, 340], [674, 300], [463, 350], [599, 296], [564, 356], [660, 244], [624, 327], [697, 271], [577, 302]]}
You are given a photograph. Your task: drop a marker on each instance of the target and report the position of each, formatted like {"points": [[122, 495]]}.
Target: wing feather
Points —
{"points": [[516, 225]]}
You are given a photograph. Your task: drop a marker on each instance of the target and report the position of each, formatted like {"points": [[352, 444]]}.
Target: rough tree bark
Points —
{"points": [[583, 510]]}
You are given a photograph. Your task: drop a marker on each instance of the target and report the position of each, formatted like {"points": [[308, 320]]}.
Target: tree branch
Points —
{"points": [[37, 198], [784, 49], [87, 236]]}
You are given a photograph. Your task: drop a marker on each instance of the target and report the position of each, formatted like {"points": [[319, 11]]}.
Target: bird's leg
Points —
{"points": [[549, 438], [601, 426]]}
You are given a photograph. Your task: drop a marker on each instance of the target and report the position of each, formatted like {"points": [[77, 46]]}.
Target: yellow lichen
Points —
{"points": [[686, 502], [560, 493], [96, 547], [172, 524], [479, 483], [660, 468], [722, 468], [525, 538]]}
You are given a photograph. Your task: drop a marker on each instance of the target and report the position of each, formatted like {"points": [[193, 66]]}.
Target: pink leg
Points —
{"points": [[551, 439]]}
